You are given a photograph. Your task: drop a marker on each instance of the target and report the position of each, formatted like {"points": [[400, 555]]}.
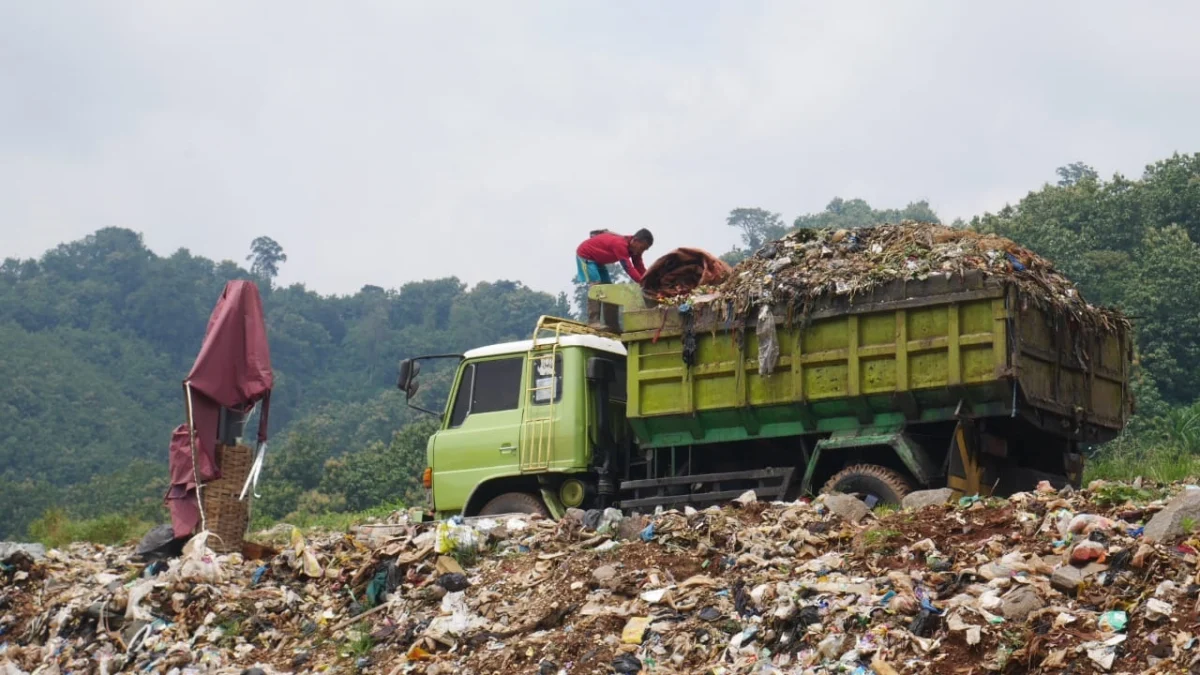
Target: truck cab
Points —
{"points": [[519, 429]]}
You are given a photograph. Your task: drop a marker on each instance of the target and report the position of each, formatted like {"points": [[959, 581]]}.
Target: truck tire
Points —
{"points": [[870, 480], [515, 502]]}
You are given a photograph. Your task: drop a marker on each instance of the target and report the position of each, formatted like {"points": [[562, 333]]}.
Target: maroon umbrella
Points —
{"points": [[233, 370]]}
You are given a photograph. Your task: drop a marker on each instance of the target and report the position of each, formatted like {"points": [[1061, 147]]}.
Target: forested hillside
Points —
{"points": [[96, 335]]}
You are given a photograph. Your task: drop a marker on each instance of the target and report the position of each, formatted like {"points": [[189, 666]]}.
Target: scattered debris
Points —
{"points": [[764, 588]]}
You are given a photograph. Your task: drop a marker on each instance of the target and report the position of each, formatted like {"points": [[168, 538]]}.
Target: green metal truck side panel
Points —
{"points": [[910, 352], [838, 372]]}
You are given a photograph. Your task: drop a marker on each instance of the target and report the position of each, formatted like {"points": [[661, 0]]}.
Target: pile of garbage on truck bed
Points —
{"points": [[1102, 580], [809, 263]]}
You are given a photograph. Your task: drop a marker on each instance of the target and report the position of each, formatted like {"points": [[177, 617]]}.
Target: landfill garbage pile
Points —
{"points": [[1102, 580], [807, 264]]}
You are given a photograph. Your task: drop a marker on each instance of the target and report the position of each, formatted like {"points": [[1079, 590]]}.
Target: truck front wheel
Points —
{"points": [[871, 483], [515, 502]]}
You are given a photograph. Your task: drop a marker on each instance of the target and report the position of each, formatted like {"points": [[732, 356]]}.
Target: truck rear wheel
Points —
{"points": [[871, 483], [515, 502]]}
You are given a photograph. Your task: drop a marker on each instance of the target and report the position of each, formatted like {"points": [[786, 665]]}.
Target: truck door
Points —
{"points": [[541, 434], [481, 435]]}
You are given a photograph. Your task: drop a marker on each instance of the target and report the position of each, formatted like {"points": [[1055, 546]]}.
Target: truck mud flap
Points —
{"points": [[770, 484]]}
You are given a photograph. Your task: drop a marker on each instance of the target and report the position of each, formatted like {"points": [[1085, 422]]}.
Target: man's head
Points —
{"points": [[642, 240]]}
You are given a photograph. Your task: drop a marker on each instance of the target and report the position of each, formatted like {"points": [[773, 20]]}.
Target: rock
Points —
{"points": [[1183, 510], [453, 583], [604, 573], [1020, 602], [630, 527], [995, 570], [922, 498], [1067, 579], [847, 507], [8, 549]]}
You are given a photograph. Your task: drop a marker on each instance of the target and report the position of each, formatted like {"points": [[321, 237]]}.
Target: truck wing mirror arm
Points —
{"points": [[407, 382]]}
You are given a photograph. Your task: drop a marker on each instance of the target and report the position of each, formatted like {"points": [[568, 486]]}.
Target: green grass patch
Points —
{"points": [[1115, 494], [1159, 463], [56, 529], [324, 522], [880, 540], [360, 643], [884, 510]]}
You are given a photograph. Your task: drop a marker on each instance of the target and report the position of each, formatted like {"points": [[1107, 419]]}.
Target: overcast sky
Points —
{"points": [[383, 142]]}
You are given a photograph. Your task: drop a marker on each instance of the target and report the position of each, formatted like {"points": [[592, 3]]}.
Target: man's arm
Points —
{"points": [[637, 262], [633, 268]]}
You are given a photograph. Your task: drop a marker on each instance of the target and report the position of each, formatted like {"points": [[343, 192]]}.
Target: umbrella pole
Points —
{"points": [[195, 467]]}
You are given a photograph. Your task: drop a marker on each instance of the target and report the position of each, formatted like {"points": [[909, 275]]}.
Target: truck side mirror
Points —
{"points": [[409, 369]]}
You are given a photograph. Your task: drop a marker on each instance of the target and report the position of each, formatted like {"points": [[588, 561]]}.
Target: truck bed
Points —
{"points": [[907, 352]]}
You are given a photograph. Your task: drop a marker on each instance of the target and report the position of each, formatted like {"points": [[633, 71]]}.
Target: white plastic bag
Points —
{"points": [[200, 562], [455, 537], [768, 346], [133, 607]]}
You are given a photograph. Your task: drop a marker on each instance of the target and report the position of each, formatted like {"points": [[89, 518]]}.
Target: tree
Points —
{"points": [[1075, 172], [265, 257], [851, 213], [758, 226], [1129, 244]]}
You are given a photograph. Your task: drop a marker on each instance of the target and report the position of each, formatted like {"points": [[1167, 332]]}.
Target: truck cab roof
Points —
{"points": [[596, 342]]}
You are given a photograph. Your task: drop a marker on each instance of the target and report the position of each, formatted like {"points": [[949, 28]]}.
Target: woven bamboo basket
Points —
{"points": [[227, 517]]}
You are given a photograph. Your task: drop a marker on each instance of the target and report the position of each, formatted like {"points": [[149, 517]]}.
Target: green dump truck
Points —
{"points": [[957, 382]]}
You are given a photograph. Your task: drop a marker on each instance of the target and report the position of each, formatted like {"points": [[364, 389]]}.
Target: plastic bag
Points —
{"points": [[452, 536], [308, 561], [199, 561], [158, 544], [768, 346], [133, 608], [609, 521], [1087, 551], [1086, 523]]}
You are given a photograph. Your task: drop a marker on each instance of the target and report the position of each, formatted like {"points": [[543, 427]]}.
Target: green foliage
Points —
{"points": [[56, 529], [758, 226], [1142, 455], [841, 213], [1115, 494], [265, 257], [1130, 244], [97, 335], [1075, 173]]}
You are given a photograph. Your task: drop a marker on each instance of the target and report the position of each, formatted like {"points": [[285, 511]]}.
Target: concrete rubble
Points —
{"points": [[1042, 582]]}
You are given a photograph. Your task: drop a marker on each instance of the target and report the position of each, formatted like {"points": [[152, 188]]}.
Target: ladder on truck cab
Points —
{"points": [[537, 433]]}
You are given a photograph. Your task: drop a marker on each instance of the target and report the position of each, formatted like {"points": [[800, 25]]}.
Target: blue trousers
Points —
{"points": [[591, 272]]}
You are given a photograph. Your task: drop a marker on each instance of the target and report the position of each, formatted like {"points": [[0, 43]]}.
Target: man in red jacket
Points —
{"points": [[605, 248]]}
